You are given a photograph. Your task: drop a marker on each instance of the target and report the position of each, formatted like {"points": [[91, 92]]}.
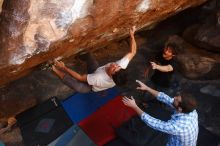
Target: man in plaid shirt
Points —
{"points": [[183, 125]]}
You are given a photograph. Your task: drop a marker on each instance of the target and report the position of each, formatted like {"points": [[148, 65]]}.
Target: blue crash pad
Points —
{"points": [[2, 144], [80, 106]]}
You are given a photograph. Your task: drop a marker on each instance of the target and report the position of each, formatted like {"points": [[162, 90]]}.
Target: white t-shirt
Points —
{"points": [[100, 80]]}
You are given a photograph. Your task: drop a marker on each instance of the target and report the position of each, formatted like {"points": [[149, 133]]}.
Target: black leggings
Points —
{"points": [[78, 86]]}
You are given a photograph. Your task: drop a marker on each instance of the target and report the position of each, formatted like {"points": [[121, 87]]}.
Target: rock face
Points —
{"points": [[206, 35], [34, 31], [195, 63], [1, 1]]}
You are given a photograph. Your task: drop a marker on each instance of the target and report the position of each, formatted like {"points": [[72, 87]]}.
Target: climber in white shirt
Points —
{"points": [[98, 78]]}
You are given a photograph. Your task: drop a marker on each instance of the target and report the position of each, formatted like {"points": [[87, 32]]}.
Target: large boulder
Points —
{"points": [[195, 63], [34, 31], [206, 34], [1, 1]]}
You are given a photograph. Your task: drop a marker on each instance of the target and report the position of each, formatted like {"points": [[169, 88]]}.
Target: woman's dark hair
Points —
{"points": [[188, 102], [120, 77], [173, 47]]}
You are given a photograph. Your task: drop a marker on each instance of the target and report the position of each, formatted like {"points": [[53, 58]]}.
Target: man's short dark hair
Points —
{"points": [[188, 103], [173, 47], [120, 77]]}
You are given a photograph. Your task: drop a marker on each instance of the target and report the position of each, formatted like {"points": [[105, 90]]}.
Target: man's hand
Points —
{"points": [[132, 30], [133, 45], [142, 86], [154, 65], [59, 64], [130, 102]]}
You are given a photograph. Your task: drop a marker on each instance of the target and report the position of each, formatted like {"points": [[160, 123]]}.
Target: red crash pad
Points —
{"points": [[100, 125]]}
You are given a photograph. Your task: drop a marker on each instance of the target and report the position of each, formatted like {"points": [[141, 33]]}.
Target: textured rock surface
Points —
{"points": [[1, 1], [42, 83], [207, 34], [195, 63], [34, 31]]}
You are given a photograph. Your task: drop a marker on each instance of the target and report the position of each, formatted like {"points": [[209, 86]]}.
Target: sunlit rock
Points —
{"points": [[35, 31]]}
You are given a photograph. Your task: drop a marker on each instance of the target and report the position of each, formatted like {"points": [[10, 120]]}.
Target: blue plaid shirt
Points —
{"points": [[182, 128]]}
